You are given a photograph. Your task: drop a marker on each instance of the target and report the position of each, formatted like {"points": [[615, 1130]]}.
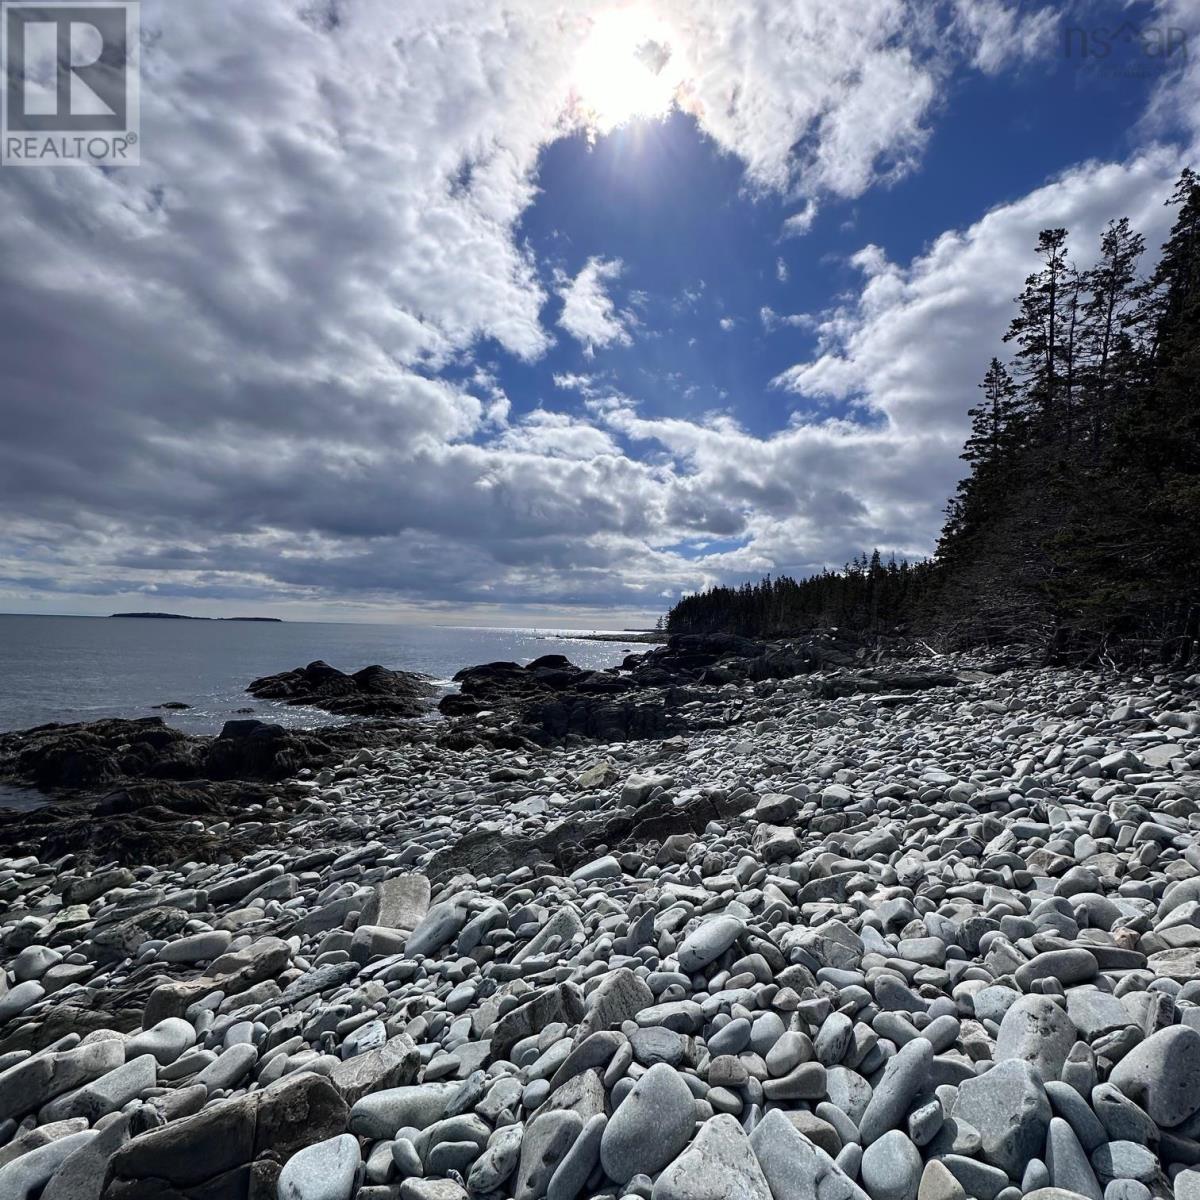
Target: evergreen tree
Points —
{"points": [[992, 420], [1078, 522], [1109, 312]]}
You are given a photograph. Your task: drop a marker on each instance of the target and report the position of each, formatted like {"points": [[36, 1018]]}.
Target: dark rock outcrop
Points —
{"points": [[224, 1149], [98, 753], [551, 700], [374, 691], [574, 841], [133, 789]]}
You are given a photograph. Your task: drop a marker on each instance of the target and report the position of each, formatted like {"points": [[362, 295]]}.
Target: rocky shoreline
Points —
{"points": [[734, 920]]}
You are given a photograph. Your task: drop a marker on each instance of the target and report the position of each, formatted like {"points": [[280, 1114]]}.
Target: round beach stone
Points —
{"points": [[1008, 1106], [1067, 1161], [547, 1141], [166, 1041], [498, 1162], [323, 1171], [1037, 1031], [1162, 1074], [707, 942], [1125, 1160], [381, 1114], [903, 1079], [938, 1184], [1071, 966], [719, 1165], [795, 1167], [650, 1126], [577, 1165], [891, 1167]]}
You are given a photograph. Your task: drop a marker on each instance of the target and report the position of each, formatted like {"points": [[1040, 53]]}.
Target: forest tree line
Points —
{"points": [[1077, 522]]}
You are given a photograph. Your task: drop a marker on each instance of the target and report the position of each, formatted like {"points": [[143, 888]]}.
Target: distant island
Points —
{"points": [[157, 616]]}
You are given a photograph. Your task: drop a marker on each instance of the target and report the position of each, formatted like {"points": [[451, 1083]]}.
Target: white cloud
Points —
{"points": [[1174, 32], [799, 223], [570, 381], [265, 379], [727, 324], [781, 270], [557, 435], [911, 344], [588, 313], [1004, 33], [771, 320]]}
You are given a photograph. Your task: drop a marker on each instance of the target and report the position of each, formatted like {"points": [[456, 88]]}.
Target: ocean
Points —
{"points": [[83, 668]]}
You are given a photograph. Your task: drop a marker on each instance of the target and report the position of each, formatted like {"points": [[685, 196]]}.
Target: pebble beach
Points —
{"points": [[824, 942]]}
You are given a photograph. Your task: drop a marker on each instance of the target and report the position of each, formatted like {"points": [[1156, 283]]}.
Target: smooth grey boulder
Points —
{"points": [[1162, 1075], [29, 1084], [16, 1000], [977, 1178], [1068, 966], [606, 867], [904, 1078], [547, 1140], [1067, 1161], [1036, 1031], [322, 1171], [707, 942], [81, 1176], [1075, 1110], [199, 947], [24, 1177], [166, 1041], [440, 925], [418, 1106], [795, 1167], [1126, 1160], [496, 1164], [398, 903], [106, 1094], [891, 1167], [1120, 1118], [229, 1068], [579, 1162], [718, 1165], [1008, 1106], [650, 1127]]}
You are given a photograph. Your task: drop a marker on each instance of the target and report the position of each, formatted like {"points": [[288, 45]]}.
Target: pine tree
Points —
{"points": [[991, 420], [1157, 448], [1078, 522], [1109, 312], [1037, 327]]}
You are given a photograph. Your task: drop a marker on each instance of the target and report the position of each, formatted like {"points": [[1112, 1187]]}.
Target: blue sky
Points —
{"points": [[554, 312]]}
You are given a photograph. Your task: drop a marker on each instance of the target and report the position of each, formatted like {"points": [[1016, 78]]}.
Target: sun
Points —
{"points": [[624, 70]]}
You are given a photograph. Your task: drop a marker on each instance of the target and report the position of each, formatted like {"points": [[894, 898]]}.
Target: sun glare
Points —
{"points": [[624, 70]]}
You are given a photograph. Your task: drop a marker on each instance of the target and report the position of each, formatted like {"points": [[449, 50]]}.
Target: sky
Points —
{"points": [[546, 310]]}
